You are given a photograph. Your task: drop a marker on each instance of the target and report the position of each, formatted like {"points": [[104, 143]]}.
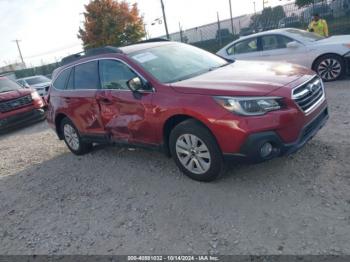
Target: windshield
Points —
{"points": [[7, 85], [305, 35], [175, 62], [37, 80]]}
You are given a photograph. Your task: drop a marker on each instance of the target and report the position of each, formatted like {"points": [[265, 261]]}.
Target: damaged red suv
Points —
{"points": [[193, 105], [18, 106]]}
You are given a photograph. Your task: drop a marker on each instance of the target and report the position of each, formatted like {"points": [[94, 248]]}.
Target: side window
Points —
{"points": [[269, 42], [272, 42], [245, 46], [61, 80], [115, 74], [86, 76], [283, 41]]}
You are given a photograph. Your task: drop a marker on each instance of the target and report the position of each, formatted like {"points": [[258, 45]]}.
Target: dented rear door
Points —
{"points": [[79, 98]]}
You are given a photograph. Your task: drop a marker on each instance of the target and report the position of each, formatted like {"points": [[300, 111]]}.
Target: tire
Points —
{"points": [[330, 67], [73, 139], [195, 151]]}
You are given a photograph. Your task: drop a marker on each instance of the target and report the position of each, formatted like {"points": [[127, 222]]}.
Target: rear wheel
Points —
{"points": [[330, 67], [195, 151], [73, 139]]}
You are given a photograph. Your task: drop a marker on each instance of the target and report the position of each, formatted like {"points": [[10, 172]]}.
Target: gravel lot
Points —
{"points": [[120, 201]]}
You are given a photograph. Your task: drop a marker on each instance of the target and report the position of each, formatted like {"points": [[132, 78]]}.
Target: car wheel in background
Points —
{"points": [[330, 67], [195, 151], [73, 139]]}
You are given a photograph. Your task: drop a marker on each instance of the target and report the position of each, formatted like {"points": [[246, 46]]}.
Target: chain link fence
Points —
{"points": [[216, 35]]}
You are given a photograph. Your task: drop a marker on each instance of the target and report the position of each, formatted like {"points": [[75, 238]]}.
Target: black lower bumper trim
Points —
{"points": [[22, 119], [251, 148]]}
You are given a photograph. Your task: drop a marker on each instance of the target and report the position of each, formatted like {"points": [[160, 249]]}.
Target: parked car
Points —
{"points": [[39, 83], [18, 106], [329, 57], [322, 9], [290, 21], [191, 104]]}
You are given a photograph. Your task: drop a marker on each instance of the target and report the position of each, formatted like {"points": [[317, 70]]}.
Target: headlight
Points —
{"points": [[250, 106], [347, 45], [35, 95]]}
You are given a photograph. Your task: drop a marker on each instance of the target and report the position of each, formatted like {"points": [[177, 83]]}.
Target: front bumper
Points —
{"points": [[21, 119], [347, 62], [251, 148]]}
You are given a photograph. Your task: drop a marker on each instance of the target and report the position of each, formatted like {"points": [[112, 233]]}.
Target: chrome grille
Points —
{"points": [[15, 103], [308, 95]]}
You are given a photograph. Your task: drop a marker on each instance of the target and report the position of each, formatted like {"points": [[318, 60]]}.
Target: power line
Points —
{"points": [[52, 51]]}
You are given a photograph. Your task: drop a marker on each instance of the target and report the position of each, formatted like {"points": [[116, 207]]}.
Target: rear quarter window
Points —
{"points": [[61, 80]]}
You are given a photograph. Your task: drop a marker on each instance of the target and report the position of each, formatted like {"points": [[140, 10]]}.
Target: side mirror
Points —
{"points": [[135, 84], [293, 44]]}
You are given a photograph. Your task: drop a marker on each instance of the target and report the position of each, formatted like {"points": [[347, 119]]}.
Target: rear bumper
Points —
{"points": [[21, 119], [251, 148]]}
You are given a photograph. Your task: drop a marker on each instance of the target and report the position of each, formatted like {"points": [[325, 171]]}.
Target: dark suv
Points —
{"points": [[18, 106], [191, 104]]}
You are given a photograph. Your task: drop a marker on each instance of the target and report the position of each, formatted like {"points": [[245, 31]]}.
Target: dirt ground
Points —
{"points": [[121, 201]]}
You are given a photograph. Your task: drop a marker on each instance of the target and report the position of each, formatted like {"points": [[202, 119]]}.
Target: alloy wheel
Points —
{"points": [[329, 69], [71, 136], [193, 153]]}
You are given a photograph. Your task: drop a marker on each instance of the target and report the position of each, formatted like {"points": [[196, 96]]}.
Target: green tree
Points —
{"points": [[111, 22]]}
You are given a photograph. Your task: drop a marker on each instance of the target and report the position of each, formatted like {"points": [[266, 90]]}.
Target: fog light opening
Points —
{"points": [[266, 150]]}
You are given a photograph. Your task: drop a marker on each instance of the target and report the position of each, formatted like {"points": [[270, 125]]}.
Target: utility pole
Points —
{"points": [[19, 50], [180, 30], [264, 3], [254, 8], [219, 30], [144, 28], [232, 29], [164, 18]]}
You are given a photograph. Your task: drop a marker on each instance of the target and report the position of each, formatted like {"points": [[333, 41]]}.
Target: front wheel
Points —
{"points": [[330, 67], [73, 139], [195, 151]]}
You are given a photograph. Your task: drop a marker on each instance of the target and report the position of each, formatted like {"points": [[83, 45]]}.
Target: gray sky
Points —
{"points": [[48, 28]]}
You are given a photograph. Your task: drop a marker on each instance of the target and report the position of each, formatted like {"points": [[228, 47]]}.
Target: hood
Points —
{"points": [[41, 85], [337, 39], [14, 94], [251, 78]]}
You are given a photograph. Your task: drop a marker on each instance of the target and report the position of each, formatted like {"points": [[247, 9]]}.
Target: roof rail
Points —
{"points": [[90, 52], [153, 40]]}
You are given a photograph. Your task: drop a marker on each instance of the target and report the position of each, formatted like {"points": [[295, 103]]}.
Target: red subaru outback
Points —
{"points": [[193, 105], [18, 106]]}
